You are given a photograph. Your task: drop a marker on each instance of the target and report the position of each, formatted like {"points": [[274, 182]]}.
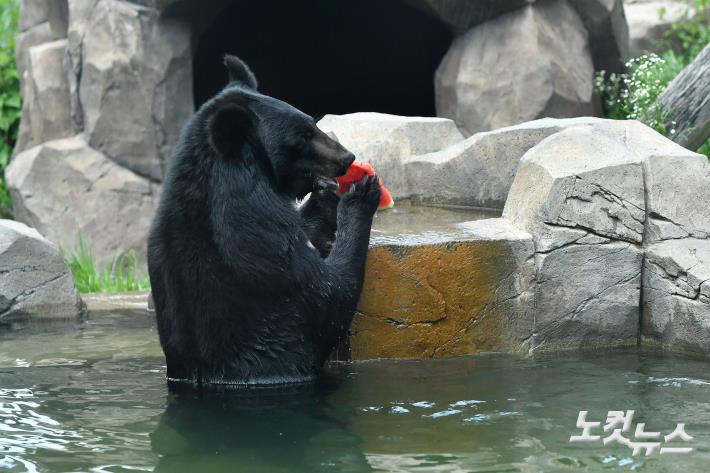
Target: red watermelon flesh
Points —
{"points": [[356, 172]]}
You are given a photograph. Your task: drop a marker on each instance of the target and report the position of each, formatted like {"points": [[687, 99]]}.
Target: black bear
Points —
{"points": [[249, 289]]}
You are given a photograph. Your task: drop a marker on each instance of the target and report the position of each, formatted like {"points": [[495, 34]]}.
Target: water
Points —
{"points": [[407, 219], [92, 397]]}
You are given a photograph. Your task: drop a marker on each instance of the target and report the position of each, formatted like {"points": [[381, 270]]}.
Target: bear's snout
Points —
{"points": [[332, 157], [347, 161]]}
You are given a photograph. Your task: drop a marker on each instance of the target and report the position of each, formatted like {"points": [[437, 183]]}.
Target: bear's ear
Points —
{"points": [[229, 128], [239, 71]]}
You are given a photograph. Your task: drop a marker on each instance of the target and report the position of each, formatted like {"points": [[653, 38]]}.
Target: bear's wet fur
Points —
{"points": [[249, 289]]}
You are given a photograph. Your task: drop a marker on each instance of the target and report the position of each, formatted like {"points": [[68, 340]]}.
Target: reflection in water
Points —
{"points": [[255, 430]]}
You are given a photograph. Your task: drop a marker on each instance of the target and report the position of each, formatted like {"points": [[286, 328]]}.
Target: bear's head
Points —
{"points": [[299, 156]]}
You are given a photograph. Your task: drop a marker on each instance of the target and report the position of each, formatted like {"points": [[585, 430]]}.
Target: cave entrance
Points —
{"points": [[328, 56]]}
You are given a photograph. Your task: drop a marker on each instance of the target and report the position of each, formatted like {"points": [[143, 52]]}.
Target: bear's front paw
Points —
{"points": [[365, 193]]}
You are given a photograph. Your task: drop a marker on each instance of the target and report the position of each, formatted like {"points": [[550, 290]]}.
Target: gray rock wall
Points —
{"points": [[107, 87], [619, 219], [65, 188], [132, 81]]}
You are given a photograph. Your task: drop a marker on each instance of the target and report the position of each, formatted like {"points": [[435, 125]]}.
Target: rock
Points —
{"points": [[406, 136], [58, 17], [46, 96], [32, 13], [460, 15], [132, 81], [596, 198], [587, 295], [676, 286], [478, 171], [583, 178], [488, 78], [35, 35], [647, 27], [64, 188], [604, 20], [385, 141], [34, 279], [446, 294], [580, 193], [426, 160], [608, 30], [40, 21], [676, 302], [678, 192]]}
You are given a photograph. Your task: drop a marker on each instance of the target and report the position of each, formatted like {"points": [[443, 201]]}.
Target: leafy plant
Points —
{"points": [[123, 276], [10, 100], [692, 32], [635, 95]]}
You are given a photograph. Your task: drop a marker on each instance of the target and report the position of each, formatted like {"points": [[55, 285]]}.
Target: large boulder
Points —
{"points": [[618, 220], [478, 171], [460, 291], [580, 193], [387, 141], [581, 178], [369, 132], [34, 279], [604, 20], [488, 80], [64, 188], [131, 80]]}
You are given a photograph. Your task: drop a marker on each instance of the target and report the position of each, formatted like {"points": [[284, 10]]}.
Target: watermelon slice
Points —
{"points": [[356, 172]]}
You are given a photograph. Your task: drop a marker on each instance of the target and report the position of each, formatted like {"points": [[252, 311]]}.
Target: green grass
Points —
{"points": [[124, 275], [10, 99]]}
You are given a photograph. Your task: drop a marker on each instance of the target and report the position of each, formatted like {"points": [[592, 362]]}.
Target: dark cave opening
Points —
{"points": [[328, 56]]}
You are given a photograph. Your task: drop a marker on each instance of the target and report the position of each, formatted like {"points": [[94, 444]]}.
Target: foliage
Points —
{"points": [[123, 276], [10, 101], [705, 149], [691, 33], [635, 95]]}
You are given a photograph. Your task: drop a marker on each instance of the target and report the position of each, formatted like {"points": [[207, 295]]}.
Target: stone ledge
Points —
{"points": [[446, 294]]}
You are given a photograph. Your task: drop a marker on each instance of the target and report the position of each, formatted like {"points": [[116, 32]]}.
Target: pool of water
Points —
{"points": [[92, 398], [408, 219]]}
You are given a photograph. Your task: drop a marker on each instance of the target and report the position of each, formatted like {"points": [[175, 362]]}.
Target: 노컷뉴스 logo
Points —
{"points": [[619, 423]]}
